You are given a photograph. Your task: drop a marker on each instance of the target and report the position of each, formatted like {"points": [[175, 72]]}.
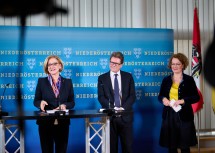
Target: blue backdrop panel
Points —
{"points": [[86, 52]]}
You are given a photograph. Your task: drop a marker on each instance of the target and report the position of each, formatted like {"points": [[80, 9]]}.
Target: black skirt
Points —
{"points": [[176, 133]]}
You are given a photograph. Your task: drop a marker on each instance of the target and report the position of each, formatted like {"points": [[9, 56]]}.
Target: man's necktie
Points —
{"points": [[116, 91]]}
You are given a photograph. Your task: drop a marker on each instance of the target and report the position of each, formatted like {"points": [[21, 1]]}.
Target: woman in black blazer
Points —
{"points": [[53, 92], [178, 129]]}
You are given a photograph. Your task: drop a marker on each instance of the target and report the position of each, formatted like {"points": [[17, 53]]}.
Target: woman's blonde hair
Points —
{"points": [[45, 66]]}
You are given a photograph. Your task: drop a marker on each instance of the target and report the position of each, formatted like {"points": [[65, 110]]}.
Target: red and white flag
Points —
{"points": [[196, 60]]}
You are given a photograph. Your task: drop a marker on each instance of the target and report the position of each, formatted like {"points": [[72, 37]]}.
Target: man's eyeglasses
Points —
{"points": [[114, 63], [53, 64]]}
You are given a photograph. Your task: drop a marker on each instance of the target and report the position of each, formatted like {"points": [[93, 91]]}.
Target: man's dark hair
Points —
{"points": [[118, 55]]}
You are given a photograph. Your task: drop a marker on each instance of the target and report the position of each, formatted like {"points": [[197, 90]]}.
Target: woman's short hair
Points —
{"points": [[45, 66], [182, 58]]}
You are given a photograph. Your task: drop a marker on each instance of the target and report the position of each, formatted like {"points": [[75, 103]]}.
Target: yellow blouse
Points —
{"points": [[173, 94]]}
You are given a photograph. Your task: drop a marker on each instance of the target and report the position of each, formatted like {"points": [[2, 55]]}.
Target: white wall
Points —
{"points": [[175, 14]]}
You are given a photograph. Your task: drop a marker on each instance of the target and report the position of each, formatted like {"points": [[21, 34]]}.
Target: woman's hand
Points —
{"points": [[42, 105], [179, 102], [62, 107], [165, 101]]}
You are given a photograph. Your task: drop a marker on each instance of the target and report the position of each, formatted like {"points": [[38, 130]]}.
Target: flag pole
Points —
{"points": [[195, 3], [196, 67], [198, 132], [198, 137]]}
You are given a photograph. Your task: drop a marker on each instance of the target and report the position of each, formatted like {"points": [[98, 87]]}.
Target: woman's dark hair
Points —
{"points": [[182, 58]]}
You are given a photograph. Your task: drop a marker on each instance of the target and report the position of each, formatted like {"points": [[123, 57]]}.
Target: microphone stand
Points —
{"points": [[109, 110], [59, 112], [2, 113]]}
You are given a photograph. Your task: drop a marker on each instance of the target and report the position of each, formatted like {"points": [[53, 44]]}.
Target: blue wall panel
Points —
{"points": [[86, 52]]}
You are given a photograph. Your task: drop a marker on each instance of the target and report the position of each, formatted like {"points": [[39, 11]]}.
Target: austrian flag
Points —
{"points": [[196, 60]]}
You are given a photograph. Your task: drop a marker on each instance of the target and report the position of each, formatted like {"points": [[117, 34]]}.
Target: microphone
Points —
{"points": [[2, 97], [108, 110], [59, 112], [102, 85]]}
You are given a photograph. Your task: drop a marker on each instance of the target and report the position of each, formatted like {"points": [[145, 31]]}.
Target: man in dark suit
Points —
{"points": [[116, 90]]}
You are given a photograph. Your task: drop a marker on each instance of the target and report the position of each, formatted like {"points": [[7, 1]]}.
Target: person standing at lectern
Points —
{"points": [[54, 92], [177, 92], [116, 90]]}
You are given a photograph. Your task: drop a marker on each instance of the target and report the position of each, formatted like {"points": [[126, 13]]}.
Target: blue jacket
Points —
{"points": [[187, 91]]}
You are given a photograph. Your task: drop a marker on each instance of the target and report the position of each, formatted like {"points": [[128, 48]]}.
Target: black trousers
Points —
{"points": [[54, 135], [122, 130]]}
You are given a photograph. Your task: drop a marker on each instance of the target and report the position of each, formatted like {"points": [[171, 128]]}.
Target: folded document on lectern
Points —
{"points": [[107, 110], [55, 110]]}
